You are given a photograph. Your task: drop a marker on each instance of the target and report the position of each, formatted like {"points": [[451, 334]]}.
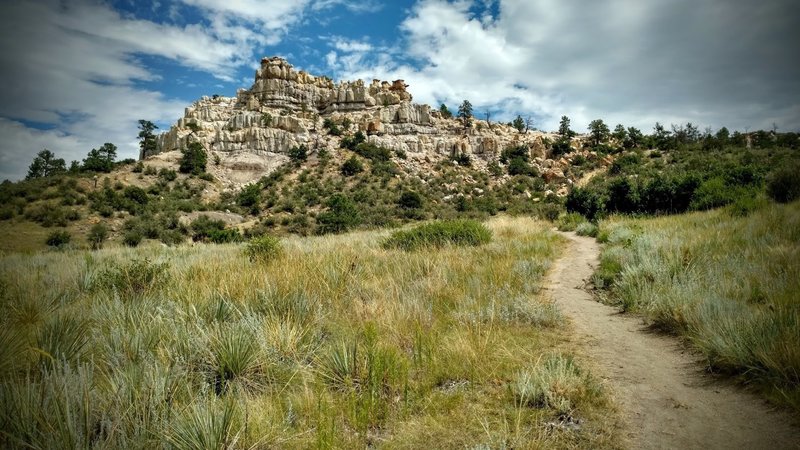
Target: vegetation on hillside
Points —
{"points": [[323, 342], [684, 171]]}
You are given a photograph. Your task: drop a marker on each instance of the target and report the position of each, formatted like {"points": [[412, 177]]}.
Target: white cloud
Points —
{"points": [[74, 67], [356, 6], [713, 63]]}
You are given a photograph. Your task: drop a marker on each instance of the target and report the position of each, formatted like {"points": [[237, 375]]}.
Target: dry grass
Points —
{"points": [[730, 284], [337, 343]]}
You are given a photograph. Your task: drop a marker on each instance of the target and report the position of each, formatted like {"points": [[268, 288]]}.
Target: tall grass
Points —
{"points": [[730, 284], [339, 343]]}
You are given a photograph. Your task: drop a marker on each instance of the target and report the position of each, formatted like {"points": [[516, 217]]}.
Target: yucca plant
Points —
{"points": [[207, 424], [62, 338], [235, 357]]}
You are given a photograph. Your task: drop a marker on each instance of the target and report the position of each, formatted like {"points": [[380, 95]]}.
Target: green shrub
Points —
{"points": [[351, 142], [250, 197], [224, 236], [342, 214], [332, 127], [172, 237], [58, 238], [586, 229], [570, 222], [133, 278], [373, 152], [439, 234], [550, 212], [744, 205], [410, 200], [203, 226], [132, 238], [166, 174], [193, 159], [298, 153], [783, 185], [97, 235], [263, 248], [351, 167], [557, 383], [136, 194]]}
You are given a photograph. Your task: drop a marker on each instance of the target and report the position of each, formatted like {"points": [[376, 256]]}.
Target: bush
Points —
{"points": [[586, 202], [586, 229], [194, 159], [570, 222], [351, 167], [351, 142], [410, 200], [298, 153], [132, 238], [556, 383], [263, 249], [783, 185], [341, 215], [518, 166], [167, 174], [332, 127], [250, 197], [97, 235], [373, 152], [224, 236], [136, 194], [203, 226], [136, 277], [58, 238], [439, 234]]}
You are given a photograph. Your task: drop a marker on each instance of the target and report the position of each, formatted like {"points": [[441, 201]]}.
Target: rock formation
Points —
{"points": [[285, 108]]}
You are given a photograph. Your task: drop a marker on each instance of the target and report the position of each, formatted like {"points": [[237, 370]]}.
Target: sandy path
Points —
{"points": [[666, 398]]}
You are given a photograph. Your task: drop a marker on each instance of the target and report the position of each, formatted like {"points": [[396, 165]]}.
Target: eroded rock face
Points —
{"points": [[285, 108]]}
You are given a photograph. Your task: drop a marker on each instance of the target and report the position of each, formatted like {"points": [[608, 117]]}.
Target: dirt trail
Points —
{"points": [[667, 399]]}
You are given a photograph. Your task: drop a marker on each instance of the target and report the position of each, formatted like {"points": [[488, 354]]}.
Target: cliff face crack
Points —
{"points": [[667, 399]]}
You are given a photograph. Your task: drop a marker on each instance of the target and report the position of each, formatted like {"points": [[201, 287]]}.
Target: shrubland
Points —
{"points": [[728, 282], [323, 342]]}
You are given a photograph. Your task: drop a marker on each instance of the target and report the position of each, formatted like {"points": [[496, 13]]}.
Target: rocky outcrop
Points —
{"points": [[285, 108]]}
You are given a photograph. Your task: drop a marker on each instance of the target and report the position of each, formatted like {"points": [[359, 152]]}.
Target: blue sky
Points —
{"points": [[78, 73]]}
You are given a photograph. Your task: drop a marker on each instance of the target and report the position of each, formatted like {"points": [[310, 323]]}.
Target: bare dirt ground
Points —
{"points": [[667, 399]]}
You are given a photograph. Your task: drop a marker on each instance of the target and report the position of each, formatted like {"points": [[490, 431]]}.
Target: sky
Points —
{"points": [[75, 74]]}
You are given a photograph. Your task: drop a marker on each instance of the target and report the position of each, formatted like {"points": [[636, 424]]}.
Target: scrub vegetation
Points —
{"points": [[318, 342]]}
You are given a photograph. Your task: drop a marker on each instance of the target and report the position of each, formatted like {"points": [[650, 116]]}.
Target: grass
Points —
{"points": [[439, 234], [339, 343], [730, 284]]}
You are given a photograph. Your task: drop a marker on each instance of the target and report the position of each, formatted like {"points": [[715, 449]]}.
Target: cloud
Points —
{"points": [[73, 71], [714, 63], [355, 6]]}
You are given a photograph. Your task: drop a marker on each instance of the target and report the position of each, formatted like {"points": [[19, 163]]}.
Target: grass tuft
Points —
{"points": [[439, 234]]}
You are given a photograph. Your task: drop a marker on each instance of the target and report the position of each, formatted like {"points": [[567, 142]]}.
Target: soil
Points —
{"points": [[667, 398]]}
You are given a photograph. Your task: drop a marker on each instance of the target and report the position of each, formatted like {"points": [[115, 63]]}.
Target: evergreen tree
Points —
{"points": [[46, 164], [465, 113], [445, 112], [563, 128], [147, 140], [599, 131], [519, 124]]}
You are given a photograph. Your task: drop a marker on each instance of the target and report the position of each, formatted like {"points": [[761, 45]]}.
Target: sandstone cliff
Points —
{"points": [[285, 108]]}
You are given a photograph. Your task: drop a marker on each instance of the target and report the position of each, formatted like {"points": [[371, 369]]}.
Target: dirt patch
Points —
{"points": [[667, 399]]}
